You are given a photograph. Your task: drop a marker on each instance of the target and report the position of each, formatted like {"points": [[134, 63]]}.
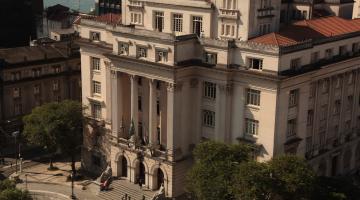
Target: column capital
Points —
{"points": [[172, 87]]}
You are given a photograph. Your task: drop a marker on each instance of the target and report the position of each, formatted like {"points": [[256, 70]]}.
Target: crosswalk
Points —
{"points": [[119, 188]]}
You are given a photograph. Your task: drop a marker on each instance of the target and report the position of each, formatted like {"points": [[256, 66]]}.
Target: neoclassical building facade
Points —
{"points": [[164, 76]]}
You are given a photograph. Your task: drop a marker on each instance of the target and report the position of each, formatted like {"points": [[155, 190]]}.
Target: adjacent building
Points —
{"points": [[164, 76], [107, 6], [32, 76]]}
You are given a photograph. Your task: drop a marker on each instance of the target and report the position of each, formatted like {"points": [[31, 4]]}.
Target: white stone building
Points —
{"points": [[175, 73]]}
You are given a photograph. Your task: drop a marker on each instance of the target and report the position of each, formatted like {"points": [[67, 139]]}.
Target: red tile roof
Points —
{"points": [[309, 29], [109, 18]]}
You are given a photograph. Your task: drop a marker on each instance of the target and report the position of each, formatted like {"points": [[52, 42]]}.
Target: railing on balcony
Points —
{"points": [[136, 4], [228, 13], [265, 12]]}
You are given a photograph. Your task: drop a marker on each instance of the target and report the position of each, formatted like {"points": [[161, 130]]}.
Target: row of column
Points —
{"points": [[117, 94]]}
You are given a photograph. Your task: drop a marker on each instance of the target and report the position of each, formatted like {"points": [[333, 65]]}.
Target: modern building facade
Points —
{"points": [[164, 76], [32, 76]]}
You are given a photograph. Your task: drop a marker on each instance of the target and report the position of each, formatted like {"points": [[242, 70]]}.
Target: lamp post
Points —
{"points": [[15, 134], [72, 186]]}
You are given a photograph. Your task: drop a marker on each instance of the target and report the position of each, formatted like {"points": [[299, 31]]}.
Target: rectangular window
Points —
{"points": [[229, 4], [323, 112], [36, 72], [350, 102], [17, 92], [15, 76], [228, 30], [209, 90], [264, 29], [96, 87], [140, 103], [159, 21], [337, 107], [210, 58], [350, 78], [209, 118], [314, 57], [328, 53], [177, 22], [343, 50], [123, 48], [322, 141], [95, 64], [291, 129], [17, 109], [56, 85], [158, 135], [253, 97], [161, 55], [255, 63], [293, 97], [251, 127], [36, 89], [310, 117], [312, 90], [337, 82], [355, 47], [158, 107], [96, 111], [57, 68], [136, 18], [141, 52], [325, 86], [197, 25], [295, 64], [94, 36]]}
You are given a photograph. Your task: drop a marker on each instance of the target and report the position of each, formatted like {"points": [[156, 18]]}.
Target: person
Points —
{"points": [[140, 182]]}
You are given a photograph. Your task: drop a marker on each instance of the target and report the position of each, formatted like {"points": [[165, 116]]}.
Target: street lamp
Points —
{"points": [[15, 135], [72, 186]]}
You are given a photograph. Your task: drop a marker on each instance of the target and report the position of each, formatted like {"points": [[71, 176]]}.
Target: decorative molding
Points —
{"points": [[194, 82]]}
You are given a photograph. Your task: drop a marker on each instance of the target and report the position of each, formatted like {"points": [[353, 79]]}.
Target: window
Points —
{"points": [[95, 64], [94, 36], [342, 50], [123, 48], [139, 103], [161, 55], [141, 52], [139, 81], [308, 144], [264, 29], [36, 89], [325, 86], [158, 85], [265, 3], [229, 4], [355, 47], [328, 53], [57, 68], [159, 21], [96, 87], [255, 63], [293, 97], [295, 64], [314, 57], [209, 90], [210, 58], [136, 18], [291, 129], [15, 76], [208, 118], [17, 109], [251, 127], [312, 90], [322, 140], [323, 112], [96, 110], [337, 82], [228, 30], [310, 117], [350, 102], [253, 97], [17, 92], [197, 25], [36, 72], [177, 22], [55, 85], [350, 78], [337, 107], [158, 107]]}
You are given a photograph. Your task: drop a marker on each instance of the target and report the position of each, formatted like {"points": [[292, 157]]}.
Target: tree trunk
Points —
{"points": [[51, 166]]}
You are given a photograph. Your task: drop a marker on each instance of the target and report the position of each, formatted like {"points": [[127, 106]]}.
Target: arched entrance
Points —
{"points": [[142, 173], [160, 178], [124, 167]]}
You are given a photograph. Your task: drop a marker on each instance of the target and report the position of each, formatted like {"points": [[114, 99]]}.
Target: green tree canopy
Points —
{"points": [[56, 126], [8, 191]]}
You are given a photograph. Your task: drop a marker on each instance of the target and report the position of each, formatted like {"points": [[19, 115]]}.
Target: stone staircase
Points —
{"points": [[119, 188]]}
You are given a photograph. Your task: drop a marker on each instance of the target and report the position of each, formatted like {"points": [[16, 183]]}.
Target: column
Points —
{"points": [[134, 102], [220, 108], [152, 112], [170, 120], [116, 104]]}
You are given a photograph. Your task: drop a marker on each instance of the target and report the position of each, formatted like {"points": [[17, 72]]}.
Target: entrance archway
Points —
{"points": [[160, 178], [124, 167], [142, 173]]}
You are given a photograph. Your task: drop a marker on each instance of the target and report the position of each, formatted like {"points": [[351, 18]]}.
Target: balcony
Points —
{"points": [[265, 12], [228, 13], [136, 4]]}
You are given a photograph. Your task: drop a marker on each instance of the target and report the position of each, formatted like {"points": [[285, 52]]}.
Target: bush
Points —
{"points": [[8, 191]]}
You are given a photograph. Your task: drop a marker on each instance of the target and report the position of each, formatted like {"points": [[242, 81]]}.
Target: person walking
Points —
{"points": [[140, 182]]}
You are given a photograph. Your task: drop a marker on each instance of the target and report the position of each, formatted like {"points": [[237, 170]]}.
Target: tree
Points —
{"points": [[211, 177], [56, 126], [8, 191]]}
